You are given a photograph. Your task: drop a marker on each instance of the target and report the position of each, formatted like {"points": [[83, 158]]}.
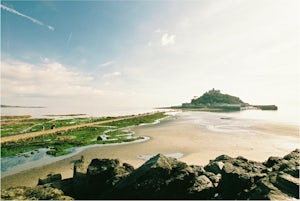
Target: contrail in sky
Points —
{"points": [[69, 38], [27, 17]]}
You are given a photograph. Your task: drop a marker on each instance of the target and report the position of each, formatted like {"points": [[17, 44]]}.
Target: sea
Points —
{"points": [[10, 165], [287, 114]]}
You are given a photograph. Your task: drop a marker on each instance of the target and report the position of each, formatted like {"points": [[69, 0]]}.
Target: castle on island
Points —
{"points": [[214, 100]]}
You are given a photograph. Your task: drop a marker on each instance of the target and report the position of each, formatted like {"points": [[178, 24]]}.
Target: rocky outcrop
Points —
{"points": [[51, 178], [282, 181], [44, 192], [162, 177], [92, 181], [104, 174], [159, 178]]}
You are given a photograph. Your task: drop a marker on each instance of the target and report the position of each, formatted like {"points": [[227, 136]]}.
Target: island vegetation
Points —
{"points": [[57, 143], [215, 101]]}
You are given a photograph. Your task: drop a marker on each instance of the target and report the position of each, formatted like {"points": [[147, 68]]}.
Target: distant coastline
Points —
{"points": [[18, 106], [222, 108]]}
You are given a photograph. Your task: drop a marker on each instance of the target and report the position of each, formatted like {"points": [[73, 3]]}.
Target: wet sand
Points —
{"points": [[198, 136]]}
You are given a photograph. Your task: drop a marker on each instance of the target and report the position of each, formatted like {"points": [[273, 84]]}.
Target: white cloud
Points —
{"points": [[50, 27], [45, 59], [51, 79], [116, 73], [167, 39], [157, 31], [107, 64], [107, 83], [27, 17], [113, 74], [62, 89]]}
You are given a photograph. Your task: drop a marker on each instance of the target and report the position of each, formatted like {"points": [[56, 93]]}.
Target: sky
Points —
{"points": [[74, 54]]}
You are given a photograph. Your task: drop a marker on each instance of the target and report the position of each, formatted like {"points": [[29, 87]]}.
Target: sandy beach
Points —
{"points": [[196, 137]]}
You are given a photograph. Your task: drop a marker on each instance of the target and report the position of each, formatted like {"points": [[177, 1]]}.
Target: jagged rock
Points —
{"points": [[44, 192], [55, 181], [221, 158], [49, 179], [202, 188], [215, 167], [104, 174], [162, 178], [288, 184], [293, 156], [282, 182], [265, 190], [199, 170], [272, 161], [79, 184], [238, 176]]}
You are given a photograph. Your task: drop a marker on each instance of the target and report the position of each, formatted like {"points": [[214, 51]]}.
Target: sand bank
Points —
{"points": [[196, 137]]}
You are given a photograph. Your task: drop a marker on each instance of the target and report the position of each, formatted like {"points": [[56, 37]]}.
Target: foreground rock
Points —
{"points": [[36, 193], [162, 177], [159, 178]]}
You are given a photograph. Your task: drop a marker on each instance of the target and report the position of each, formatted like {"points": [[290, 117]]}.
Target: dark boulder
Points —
{"points": [[159, 178], [288, 184], [162, 177], [79, 183], [265, 190], [104, 174], [215, 167], [272, 161], [55, 181], [238, 175], [282, 182], [202, 188]]}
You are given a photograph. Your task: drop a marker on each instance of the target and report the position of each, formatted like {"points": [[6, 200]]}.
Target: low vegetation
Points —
{"points": [[14, 125], [58, 143], [216, 97]]}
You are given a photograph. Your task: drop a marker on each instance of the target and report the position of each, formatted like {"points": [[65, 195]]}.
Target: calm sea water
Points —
{"points": [[288, 114], [95, 112], [284, 114]]}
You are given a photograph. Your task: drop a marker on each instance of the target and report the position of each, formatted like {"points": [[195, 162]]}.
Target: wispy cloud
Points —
{"points": [[27, 17], [69, 38], [50, 27], [107, 64], [113, 74], [167, 39]]}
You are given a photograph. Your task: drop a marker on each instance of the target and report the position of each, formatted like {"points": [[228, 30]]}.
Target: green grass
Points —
{"points": [[18, 126], [137, 120], [76, 138]]}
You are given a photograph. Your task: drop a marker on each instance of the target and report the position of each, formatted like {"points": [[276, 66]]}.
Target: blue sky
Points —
{"points": [[91, 32], [148, 53]]}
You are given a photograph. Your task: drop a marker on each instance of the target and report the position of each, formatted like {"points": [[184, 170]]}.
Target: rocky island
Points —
{"points": [[163, 177], [215, 101]]}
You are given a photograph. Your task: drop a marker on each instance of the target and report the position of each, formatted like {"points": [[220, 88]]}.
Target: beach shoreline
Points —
{"points": [[186, 134]]}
